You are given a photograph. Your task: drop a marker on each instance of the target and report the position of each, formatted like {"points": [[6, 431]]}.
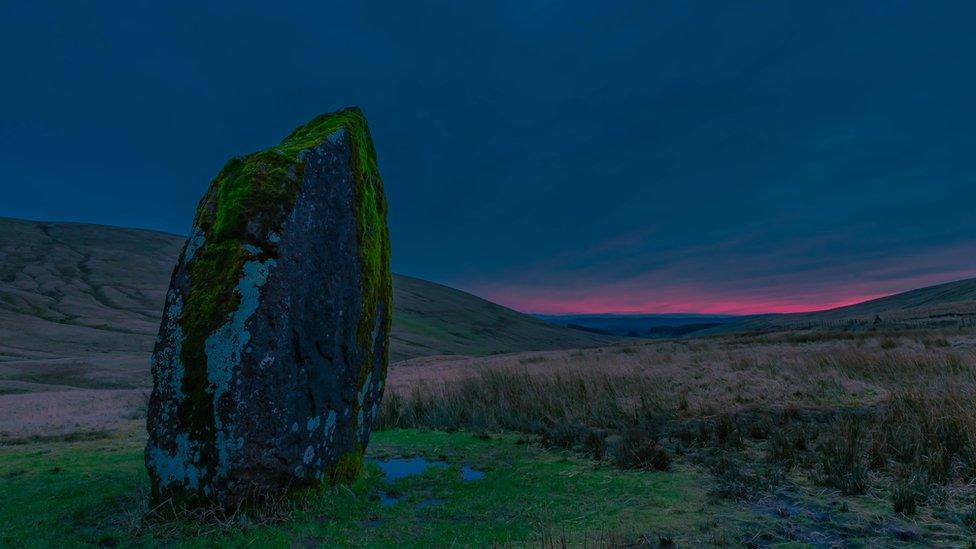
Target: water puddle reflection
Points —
{"points": [[467, 473], [397, 468], [394, 469]]}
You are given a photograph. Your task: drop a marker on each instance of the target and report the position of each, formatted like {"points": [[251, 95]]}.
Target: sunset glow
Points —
{"points": [[780, 297]]}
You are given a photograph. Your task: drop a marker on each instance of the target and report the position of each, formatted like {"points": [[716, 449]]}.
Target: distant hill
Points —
{"points": [[949, 304], [648, 326], [431, 319], [80, 307], [670, 332]]}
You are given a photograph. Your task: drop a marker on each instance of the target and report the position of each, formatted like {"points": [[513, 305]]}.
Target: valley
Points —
{"points": [[818, 429]]}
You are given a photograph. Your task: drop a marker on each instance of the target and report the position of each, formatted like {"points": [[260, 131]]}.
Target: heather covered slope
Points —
{"points": [[80, 306]]}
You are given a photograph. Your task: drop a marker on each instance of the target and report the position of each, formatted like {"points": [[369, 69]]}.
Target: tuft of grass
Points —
{"points": [[907, 495], [562, 436], [727, 432], [889, 343], [638, 448], [842, 461], [787, 445], [968, 517], [595, 444]]}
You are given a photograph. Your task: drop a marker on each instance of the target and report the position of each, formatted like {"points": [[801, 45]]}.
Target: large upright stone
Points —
{"points": [[272, 353]]}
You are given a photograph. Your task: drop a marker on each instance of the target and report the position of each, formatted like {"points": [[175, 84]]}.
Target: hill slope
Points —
{"points": [[80, 307], [949, 304], [431, 319], [637, 325]]}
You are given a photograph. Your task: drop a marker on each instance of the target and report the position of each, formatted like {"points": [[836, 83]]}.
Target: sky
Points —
{"points": [[555, 157]]}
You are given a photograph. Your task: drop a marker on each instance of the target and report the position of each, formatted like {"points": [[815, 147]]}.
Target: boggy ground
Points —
{"points": [[809, 439]]}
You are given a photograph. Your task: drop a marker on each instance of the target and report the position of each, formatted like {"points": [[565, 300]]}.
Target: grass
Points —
{"points": [[904, 436], [96, 493], [783, 442]]}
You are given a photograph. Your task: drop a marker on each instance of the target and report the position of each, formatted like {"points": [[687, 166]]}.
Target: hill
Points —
{"points": [[942, 305], [432, 319], [653, 326], [80, 307]]}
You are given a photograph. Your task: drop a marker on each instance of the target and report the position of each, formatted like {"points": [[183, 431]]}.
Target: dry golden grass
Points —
{"points": [[889, 412], [70, 414], [728, 374]]}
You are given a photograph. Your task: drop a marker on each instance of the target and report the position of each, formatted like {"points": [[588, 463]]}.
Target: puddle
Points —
{"points": [[394, 469], [386, 500], [467, 473], [397, 468]]}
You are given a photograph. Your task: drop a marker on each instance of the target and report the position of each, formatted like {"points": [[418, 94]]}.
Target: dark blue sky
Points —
{"points": [[554, 156]]}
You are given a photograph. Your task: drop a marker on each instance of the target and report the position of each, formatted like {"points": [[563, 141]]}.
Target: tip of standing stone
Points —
{"points": [[321, 127]]}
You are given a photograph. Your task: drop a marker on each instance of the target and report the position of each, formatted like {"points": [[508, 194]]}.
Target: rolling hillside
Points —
{"points": [[653, 326], [80, 306], [431, 319], [949, 304]]}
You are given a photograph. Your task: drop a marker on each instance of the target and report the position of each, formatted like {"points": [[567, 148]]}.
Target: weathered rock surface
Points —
{"points": [[272, 353]]}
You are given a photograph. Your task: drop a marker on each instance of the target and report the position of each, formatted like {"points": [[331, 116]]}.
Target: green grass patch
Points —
{"points": [[97, 492]]}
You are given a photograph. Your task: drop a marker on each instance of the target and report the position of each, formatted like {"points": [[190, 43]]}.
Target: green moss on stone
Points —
{"points": [[249, 198], [258, 188], [373, 233], [247, 187]]}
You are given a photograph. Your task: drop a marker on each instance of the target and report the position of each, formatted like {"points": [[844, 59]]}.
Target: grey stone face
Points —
{"points": [[292, 391]]}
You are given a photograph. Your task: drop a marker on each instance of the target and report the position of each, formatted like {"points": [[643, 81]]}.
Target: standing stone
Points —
{"points": [[272, 354]]}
